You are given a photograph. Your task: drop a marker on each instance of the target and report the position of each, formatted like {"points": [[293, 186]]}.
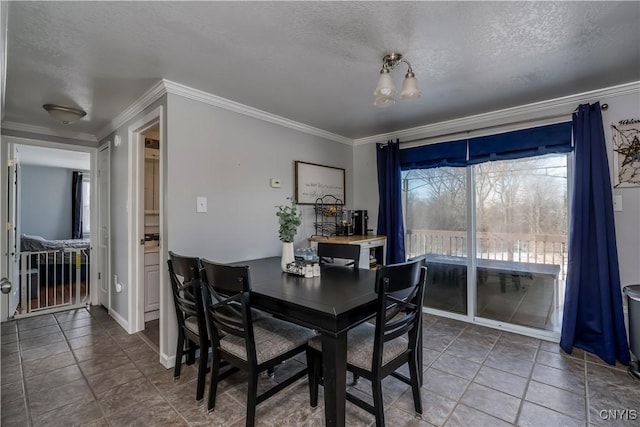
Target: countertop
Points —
{"points": [[348, 239]]}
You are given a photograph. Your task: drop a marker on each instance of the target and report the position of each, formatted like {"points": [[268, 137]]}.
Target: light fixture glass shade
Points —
{"points": [[384, 101], [410, 88], [66, 115], [385, 85]]}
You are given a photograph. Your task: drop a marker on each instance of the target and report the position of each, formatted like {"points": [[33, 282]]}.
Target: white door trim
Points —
{"points": [[136, 219], [105, 269]]}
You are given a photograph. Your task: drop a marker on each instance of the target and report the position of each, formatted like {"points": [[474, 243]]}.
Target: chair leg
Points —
{"points": [[252, 394], [213, 387], [202, 375], [313, 372], [179, 351], [415, 375], [191, 352], [378, 404]]}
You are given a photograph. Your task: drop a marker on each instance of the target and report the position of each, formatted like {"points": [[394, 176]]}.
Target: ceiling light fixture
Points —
{"points": [[66, 115], [386, 91]]}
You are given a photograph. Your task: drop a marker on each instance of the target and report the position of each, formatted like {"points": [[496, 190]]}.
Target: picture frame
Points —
{"points": [[626, 153], [314, 181]]}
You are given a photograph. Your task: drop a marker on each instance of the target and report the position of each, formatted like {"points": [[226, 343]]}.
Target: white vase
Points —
{"points": [[287, 255]]}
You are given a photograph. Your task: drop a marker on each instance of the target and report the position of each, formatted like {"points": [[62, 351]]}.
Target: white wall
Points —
{"points": [[627, 221], [230, 158], [45, 203], [365, 185]]}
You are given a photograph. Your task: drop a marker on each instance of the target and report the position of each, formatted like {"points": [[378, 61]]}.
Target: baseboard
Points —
{"points": [[120, 320], [167, 361], [151, 315]]}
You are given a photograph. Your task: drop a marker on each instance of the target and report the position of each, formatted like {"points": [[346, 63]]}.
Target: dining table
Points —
{"points": [[336, 301]]}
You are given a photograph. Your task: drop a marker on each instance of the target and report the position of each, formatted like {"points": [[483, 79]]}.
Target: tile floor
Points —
{"points": [[80, 368]]}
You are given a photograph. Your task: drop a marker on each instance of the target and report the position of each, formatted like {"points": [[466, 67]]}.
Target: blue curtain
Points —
{"points": [[76, 206], [453, 153], [593, 316], [390, 222], [538, 141], [519, 144]]}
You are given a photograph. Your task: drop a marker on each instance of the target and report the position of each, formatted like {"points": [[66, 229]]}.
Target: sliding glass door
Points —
{"points": [[521, 240], [436, 227], [517, 232]]}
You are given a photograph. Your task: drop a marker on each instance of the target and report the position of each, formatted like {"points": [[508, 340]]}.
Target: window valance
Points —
{"points": [[555, 138], [452, 153]]}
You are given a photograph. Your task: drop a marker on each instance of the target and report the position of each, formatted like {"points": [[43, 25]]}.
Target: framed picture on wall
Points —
{"points": [[626, 153], [314, 181]]}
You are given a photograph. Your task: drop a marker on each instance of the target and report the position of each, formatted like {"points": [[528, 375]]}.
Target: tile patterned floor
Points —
{"points": [[80, 368]]}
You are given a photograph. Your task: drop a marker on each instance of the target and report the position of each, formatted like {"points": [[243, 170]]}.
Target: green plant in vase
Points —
{"points": [[289, 219]]}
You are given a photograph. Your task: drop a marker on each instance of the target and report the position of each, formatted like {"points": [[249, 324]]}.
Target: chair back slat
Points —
{"points": [[226, 317], [226, 295], [328, 252], [400, 289], [183, 270]]}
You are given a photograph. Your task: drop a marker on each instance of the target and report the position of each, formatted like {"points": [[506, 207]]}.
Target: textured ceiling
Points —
{"points": [[315, 62]]}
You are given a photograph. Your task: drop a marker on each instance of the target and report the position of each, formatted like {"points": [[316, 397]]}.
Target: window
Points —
{"points": [[520, 237], [490, 214]]}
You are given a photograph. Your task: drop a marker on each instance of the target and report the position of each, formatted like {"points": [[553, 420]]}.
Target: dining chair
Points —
{"points": [[184, 273], [329, 252], [377, 351], [253, 347]]}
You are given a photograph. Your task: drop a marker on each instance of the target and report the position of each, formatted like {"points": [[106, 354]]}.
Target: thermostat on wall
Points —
{"points": [[275, 183]]}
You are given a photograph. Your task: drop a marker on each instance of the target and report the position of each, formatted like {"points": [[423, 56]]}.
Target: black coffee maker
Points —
{"points": [[359, 219]]}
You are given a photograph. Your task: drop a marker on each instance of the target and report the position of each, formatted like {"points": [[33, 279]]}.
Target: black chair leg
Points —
{"points": [[415, 375], [252, 395], [378, 404], [191, 352], [178, 364], [213, 387], [202, 375]]}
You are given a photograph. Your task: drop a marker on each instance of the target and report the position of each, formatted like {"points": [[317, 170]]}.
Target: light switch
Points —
{"points": [[201, 204], [275, 183], [617, 203]]}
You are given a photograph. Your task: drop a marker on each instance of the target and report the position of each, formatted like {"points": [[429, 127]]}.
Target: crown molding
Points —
{"points": [[46, 131], [535, 111], [147, 98], [216, 101]]}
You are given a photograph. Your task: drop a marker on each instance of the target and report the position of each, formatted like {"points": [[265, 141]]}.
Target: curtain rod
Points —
{"points": [[603, 107]]}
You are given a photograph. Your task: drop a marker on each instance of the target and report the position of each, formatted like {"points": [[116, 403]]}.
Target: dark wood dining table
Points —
{"points": [[333, 303]]}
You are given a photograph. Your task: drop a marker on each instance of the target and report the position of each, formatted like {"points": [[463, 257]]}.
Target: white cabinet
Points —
{"points": [[151, 180], [151, 284]]}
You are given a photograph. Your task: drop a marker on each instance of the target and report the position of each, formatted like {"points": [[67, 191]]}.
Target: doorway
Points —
{"points": [[147, 297], [48, 256], [151, 192]]}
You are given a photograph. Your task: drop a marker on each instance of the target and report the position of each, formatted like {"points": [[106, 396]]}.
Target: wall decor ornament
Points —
{"points": [[316, 181], [626, 153]]}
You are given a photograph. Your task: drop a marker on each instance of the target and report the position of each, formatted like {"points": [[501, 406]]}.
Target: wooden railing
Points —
{"points": [[531, 248]]}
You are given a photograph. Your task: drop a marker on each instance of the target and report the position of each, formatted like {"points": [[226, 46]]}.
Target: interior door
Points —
{"points": [[13, 238], [103, 227]]}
